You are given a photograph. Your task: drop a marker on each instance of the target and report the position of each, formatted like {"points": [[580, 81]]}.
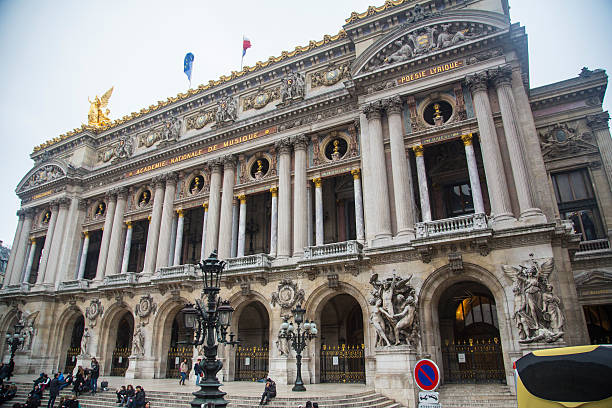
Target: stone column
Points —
{"points": [[172, 240], [300, 221], [381, 211], [599, 125], [42, 268], [214, 201], [274, 221], [320, 238], [127, 247], [360, 232], [283, 146], [423, 189], [225, 224], [502, 78], [402, 177], [154, 223], [19, 252], [163, 248], [111, 202], [492, 160], [113, 263], [204, 222], [8, 277], [235, 221], [178, 246], [28, 268], [368, 213], [309, 215], [67, 267], [84, 250], [52, 270], [473, 172], [241, 225]]}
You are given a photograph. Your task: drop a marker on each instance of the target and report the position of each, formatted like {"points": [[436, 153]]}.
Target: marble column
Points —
{"points": [[111, 202], [473, 173], [309, 214], [502, 78], [154, 224], [368, 215], [113, 263], [241, 225], [84, 249], [274, 221], [300, 220], [178, 246], [172, 240], [225, 224], [492, 160], [423, 189], [235, 221], [52, 272], [402, 177], [8, 276], [214, 202], [127, 247], [204, 222], [19, 252], [599, 124], [44, 260], [320, 238], [28, 268], [283, 146], [359, 227], [163, 247], [68, 266], [378, 169]]}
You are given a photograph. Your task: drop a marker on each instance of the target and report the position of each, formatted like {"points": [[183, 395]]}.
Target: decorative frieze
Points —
{"points": [[330, 75]]}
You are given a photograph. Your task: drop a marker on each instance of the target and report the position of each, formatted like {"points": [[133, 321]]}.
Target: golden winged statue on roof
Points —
{"points": [[96, 116]]}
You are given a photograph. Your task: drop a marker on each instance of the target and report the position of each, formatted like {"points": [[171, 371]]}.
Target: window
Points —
{"points": [[577, 203], [459, 199]]}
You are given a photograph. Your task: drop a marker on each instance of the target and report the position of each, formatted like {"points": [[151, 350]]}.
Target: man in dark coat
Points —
{"points": [[53, 391], [95, 373], [139, 399], [269, 392], [198, 371]]}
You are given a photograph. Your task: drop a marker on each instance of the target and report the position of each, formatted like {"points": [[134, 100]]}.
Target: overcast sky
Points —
{"points": [[56, 54]]}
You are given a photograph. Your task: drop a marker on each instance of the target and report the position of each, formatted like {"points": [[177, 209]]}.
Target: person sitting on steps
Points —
{"points": [[269, 392]]}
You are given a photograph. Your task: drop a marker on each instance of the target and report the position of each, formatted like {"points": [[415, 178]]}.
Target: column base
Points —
{"points": [[394, 374], [502, 221], [381, 239], [140, 367], [404, 235], [532, 216]]}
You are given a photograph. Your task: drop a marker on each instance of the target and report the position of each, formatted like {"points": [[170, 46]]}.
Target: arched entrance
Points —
{"points": [[469, 330], [251, 360], [72, 344], [122, 345], [178, 349], [342, 342]]}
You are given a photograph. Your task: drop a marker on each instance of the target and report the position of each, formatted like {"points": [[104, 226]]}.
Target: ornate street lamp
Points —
{"points": [[210, 322], [15, 340], [298, 338]]}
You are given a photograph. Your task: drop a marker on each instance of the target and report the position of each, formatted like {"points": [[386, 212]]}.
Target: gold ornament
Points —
{"points": [[96, 117]]}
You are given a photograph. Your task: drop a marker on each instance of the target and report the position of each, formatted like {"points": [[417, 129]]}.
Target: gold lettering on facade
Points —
{"points": [[431, 71]]}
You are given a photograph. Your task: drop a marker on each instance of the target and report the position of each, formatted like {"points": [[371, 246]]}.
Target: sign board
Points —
{"points": [[247, 361], [426, 375], [428, 397], [120, 359], [461, 357], [423, 405], [335, 360], [177, 360]]}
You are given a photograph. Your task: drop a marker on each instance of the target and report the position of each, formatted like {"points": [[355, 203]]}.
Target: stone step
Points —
{"points": [[476, 396]]}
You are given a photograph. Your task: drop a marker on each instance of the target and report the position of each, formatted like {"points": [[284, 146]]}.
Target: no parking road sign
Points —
{"points": [[426, 375]]}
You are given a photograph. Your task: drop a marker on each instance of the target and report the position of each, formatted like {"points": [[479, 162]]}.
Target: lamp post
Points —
{"points": [[298, 338], [210, 322], [15, 340]]}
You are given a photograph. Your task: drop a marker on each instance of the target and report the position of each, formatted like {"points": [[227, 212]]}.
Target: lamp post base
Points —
{"points": [[298, 387], [207, 394]]}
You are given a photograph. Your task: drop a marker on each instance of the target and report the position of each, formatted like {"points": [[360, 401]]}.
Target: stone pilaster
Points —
{"points": [[9, 277], [83, 261], [300, 221], [113, 263], [212, 226], [225, 224], [241, 225], [274, 221], [154, 224], [359, 228], [204, 222], [319, 232], [163, 248], [178, 243], [283, 146], [111, 203], [473, 173], [423, 188], [19, 251]]}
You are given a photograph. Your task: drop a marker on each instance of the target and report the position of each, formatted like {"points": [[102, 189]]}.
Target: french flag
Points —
{"points": [[246, 44]]}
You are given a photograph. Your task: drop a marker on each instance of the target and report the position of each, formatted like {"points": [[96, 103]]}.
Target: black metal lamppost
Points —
{"points": [[15, 340], [210, 322], [298, 338]]}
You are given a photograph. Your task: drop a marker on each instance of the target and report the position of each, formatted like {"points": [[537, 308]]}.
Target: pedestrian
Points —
{"points": [[53, 390], [79, 380], [308, 404], [269, 392], [184, 368], [95, 373], [197, 369]]}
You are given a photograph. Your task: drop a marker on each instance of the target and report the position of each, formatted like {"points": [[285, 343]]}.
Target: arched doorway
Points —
{"points": [[469, 330], [342, 342], [122, 345], [73, 343], [178, 349], [251, 360]]}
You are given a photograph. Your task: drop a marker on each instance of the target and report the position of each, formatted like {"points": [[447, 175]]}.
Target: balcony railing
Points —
{"points": [[593, 246], [128, 278], [257, 261], [74, 284], [334, 250], [178, 272], [462, 224]]}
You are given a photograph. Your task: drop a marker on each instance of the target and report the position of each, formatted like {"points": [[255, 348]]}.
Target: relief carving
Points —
{"points": [[292, 87], [93, 311], [44, 175], [29, 330], [562, 140], [226, 110], [287, 296], [261, 98], [330, 75]]}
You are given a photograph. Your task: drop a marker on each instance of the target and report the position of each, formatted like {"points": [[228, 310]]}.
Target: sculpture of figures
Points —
{"points": [[282, 344], [46, 217], [100, 209], [85, 342], [405, 317], [336, 153], [537, 311], [171, 129], [378, 321], [96, 117], [138, 342], [404, 52], [144, 198], [292, 86], [226, 110], [44, 175], [445, 38], [124, 148], [197, 185], [27, 320]]}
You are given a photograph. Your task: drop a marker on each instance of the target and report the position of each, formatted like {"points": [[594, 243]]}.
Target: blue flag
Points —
{"points": [[188, 65]]}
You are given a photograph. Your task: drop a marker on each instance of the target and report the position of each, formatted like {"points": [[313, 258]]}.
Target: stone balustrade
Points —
{"points": [[121, 279], [73, 285], [593, 245], [176, 273], [447, 226], [257, 261], [345, 249]]}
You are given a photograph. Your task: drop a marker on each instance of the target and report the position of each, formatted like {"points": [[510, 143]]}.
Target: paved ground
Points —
{"points": [[234, 388]]}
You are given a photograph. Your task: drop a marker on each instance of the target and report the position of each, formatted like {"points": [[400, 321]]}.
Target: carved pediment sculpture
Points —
{"points": [[393, 311], [171, 130], [562, 140], [261, 98], [287, 296], [538, 313], [226, 110], [29, 330], [93, 311], [120, 150], [44, 175], [292, 87]]}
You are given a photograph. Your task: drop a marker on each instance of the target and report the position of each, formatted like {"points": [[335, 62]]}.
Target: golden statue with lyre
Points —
{"points": [[96, 116]]}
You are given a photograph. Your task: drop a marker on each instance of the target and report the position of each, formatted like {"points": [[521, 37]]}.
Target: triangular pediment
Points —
{"points": [[593, 278], [45, 173], [435, 35]]}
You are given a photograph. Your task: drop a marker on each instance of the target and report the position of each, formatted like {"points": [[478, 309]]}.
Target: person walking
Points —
{"points": [[197, 369], [95, 373], [53, 390], [184, 369]]}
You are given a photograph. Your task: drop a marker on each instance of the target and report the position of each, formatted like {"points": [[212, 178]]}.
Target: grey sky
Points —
{"points": [[56, 54]]}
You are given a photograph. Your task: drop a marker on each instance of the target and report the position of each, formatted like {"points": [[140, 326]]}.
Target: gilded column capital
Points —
{"points": [[149, 218], [477, 82], [418, 150], [317, 182], [356, 174], [205, 206], [128, 224], [300, 142], [393, 105], [599, 121], [501, 76], [373, 110], [180, 212], [32, 240], [229, 161], [283, 145], [274, 191], [467, 139], [242, 198]]}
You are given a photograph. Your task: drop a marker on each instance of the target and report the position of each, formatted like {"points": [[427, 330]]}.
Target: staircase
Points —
{"points": [[164, 399], [476, 396]]}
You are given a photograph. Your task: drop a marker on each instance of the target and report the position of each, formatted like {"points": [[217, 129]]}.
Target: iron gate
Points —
{"points": [[343, 364], [175, 356], [473, 361], [71, 359], [121, 361], [251, 363]]}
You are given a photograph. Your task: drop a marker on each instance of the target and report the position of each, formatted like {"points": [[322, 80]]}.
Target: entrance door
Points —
{"points": [[471, 346], [251, 359], [123, 345], [599, 323], [176, 351], [74, 349]]}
